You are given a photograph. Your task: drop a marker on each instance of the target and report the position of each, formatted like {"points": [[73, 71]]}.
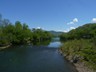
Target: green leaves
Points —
{"points": [[86, 31], [41, 35], [21, 34], [83, 49]]}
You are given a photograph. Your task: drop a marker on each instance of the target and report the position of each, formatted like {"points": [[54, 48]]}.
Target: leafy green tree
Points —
{"points": [[19, 33]]}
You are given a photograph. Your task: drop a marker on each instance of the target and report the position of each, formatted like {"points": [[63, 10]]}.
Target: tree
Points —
{"points": [[19, 33]]}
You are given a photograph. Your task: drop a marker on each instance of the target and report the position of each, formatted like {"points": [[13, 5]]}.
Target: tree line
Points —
{"points": [[87, 31], [19, 33]]}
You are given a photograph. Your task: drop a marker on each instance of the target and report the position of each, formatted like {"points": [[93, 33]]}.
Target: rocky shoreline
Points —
{"points": [[80, 66], [3, 47]]}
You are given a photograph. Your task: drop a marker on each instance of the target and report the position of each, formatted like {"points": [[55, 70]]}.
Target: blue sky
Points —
{"points": [[58, 15]]}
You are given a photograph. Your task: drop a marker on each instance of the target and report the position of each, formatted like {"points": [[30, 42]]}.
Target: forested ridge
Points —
{"points": [[87, 31], [20, 33], [80, 46]]}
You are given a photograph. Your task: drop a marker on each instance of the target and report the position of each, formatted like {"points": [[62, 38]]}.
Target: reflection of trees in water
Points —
{"points": [[38, 43], [56, 39]]}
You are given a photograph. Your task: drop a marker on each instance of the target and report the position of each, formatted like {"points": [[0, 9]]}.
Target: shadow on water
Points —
{"points": [[34, 58], [42, 43]]}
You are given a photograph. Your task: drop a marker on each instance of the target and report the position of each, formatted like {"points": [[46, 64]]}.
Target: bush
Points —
{"points": [[80, 50]]}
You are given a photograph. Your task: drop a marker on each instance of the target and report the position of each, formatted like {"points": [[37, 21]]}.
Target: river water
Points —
{"points": [[38, 58]]}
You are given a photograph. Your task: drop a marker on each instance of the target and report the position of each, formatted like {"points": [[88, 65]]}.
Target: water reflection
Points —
{"points": [[56, 39], [55, 44], [41, 43]]}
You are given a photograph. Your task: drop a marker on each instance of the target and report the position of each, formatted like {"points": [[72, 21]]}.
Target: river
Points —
{"points": [[38, 58]]}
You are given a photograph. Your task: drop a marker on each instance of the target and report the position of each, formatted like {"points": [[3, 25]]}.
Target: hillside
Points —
{"points": [[80, 47], [86, 31], [55, 33]]}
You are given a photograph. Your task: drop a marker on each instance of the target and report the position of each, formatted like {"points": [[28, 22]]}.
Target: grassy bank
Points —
{"points": [[82, 53]]}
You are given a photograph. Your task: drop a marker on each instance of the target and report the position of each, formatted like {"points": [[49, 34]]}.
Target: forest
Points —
{"points": [[20, 33], [80, 45]]}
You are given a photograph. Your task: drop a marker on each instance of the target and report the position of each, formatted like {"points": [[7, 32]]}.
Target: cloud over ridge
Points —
{"points": [[75, 20]]}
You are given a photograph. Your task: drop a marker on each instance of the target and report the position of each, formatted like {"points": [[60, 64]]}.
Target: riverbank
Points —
{"points": [[80, 65], [4, 47]]}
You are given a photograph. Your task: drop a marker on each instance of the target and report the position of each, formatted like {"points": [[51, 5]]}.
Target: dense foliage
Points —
{"points": [[86, 31], [80, 45], [19, 33]]}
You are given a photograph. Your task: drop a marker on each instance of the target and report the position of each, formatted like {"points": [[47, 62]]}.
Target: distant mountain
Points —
{"points": [[56, 33]]}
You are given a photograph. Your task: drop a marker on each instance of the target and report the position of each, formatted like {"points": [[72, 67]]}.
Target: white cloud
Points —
{"points": [[94, 20], [72, 28], [70, 23], [38, 28], [59, 31], [68, 29], [75, 20]]}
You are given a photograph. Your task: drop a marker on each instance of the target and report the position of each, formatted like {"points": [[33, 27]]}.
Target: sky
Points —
{"points": [[58, 15]]}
